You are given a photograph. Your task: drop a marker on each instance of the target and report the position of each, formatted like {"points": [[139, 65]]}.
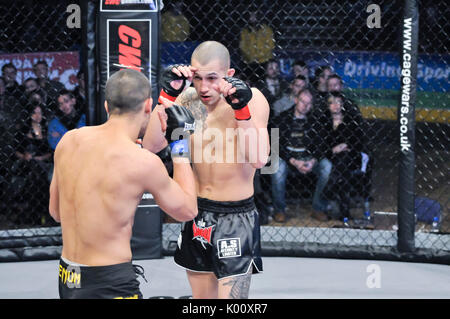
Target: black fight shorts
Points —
{"points": [[224, 239], [99, 282]]}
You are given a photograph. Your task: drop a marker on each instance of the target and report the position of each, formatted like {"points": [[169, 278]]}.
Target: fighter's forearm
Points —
{"points": [[54, 199], [154, 139], [253, 143], [183, 175]]}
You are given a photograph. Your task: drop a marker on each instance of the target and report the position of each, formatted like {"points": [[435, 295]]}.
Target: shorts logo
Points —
{"points": [[202, 233], [189, 127], [230, 247]]}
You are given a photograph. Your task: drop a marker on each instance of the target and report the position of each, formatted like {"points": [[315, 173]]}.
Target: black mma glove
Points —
{"points": [[243, 94], [167, 90], [180, 125]]}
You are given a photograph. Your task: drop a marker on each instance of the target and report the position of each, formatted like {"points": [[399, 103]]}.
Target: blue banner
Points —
{"points": [[375, 70]]}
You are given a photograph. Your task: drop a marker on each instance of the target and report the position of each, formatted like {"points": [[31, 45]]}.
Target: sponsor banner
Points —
{"points": [[375, 70], [128, 37], [62, 66], [129, 5], [177, 52], [128, 45]]}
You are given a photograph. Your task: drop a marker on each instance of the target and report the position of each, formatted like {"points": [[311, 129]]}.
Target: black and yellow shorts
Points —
{"points": [[224, 239], [99, 282]]}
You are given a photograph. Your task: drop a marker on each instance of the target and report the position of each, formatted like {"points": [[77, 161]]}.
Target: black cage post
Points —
{"points": [[406, 122], [88, 11]]}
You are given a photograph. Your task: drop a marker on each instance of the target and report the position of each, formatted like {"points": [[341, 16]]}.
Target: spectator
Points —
{"points": [[321, 75], [50, 87], [256, 44], [342, 140], [66, 118], [2, 92], [30, 85], [4, 127], [12, 103], [299, 67], [288, 99], [272, 86], [335, 84], [12, 88], [175, 26], [3, 130], [33, 165], [80, 93], [295, 156], [38, 97]]}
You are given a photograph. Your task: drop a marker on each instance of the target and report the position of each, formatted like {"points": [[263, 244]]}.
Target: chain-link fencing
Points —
{"points": [[331, 74], [432, 115], [41, 96]]}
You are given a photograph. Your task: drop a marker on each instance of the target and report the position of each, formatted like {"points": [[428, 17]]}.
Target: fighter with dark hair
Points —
{"points": [[100, 175]]}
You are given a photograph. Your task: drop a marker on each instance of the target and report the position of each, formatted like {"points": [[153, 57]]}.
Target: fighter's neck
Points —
{"points": [[124, 126], [220, 104]]}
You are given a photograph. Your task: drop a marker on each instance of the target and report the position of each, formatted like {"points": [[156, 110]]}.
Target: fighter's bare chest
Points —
{"points": [[216, 136]]}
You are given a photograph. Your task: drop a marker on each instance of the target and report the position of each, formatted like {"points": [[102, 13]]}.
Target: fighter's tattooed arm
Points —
{"points": [[240, 286], [190, 100]]}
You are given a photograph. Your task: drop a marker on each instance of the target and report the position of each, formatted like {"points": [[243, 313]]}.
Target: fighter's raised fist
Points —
{"points": [[239, 98], [173, 80]]}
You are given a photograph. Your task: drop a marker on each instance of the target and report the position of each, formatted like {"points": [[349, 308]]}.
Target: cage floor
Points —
{"points": [[283, 278]]}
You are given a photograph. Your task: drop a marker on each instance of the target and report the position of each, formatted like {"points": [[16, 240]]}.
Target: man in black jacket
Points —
{"points": [[295, 155]]}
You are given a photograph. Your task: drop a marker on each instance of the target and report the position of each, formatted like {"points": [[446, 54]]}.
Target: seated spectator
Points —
{"points": [[299, 67], [38, 97], [12, 102], [288, 99], [50, 87], [2, 93], [33, 166], [66, 118], [335, 84], [294, 154], [30, 85], [340, 135], [13, 89], [272, 86], [80, 93], [4, 126], [319, 84]]}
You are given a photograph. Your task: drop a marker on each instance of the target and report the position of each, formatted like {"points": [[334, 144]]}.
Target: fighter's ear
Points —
{"points": [[231, 72], [106, 107], [148, 105]]}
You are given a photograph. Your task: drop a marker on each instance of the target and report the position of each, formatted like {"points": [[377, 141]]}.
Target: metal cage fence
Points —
{"points": [[353, 47], [39, 57], [357, 43]]}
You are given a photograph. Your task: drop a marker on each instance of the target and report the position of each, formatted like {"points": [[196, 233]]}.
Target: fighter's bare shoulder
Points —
{"points": [[147, 160], [259, 106], [190, 99], [68, 138], [259, 98]]}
